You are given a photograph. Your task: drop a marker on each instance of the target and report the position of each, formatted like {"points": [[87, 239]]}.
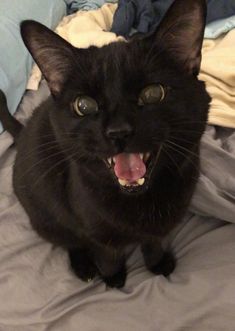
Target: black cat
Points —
{"points": [[112, 157]]}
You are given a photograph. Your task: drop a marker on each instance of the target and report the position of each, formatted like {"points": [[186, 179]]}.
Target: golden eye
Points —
{"points": [[151, 94], [84, 105]]}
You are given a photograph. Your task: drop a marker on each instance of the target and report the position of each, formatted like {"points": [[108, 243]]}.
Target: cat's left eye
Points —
{"points": [[151, 94], [85, 105]]}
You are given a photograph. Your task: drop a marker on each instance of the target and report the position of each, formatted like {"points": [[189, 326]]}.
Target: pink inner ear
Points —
{"points": [[53, 55], [55, 83]]}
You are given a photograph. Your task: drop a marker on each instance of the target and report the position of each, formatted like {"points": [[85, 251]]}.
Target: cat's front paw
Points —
{"points": [[86, 273], [82, 266], [165, 266], [117, 280]]}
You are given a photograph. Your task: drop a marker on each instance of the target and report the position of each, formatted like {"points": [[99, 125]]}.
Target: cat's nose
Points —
{"points": [[119, 131]]}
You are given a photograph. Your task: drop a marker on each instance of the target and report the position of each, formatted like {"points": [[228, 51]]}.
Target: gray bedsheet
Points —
{"points": [[38, 292]]}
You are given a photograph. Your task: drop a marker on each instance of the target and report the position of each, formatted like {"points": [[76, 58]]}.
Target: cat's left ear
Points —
{"points": [[53, 55], [180, 34]]}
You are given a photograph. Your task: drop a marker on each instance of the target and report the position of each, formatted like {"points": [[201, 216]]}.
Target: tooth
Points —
{"points": [[141, 156], [146, 156], [114, 161], [122, 182], [110, 160], [141, 181]]}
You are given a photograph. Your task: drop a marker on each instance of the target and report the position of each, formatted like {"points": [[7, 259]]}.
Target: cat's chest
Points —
{"points": [[117, 227], [113, 219], [109, 215]]}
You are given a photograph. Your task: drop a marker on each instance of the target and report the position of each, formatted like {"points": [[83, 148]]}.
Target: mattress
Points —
{"points": [[39, 292]]}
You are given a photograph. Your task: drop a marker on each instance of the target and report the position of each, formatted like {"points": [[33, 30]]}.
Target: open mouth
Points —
{"points": [[133, 170]]}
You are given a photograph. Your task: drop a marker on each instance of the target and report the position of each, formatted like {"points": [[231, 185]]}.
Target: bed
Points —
{"points": [[39, 292]]}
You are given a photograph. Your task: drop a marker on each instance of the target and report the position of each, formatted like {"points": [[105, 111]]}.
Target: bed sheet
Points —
{"points": [[38, 291]]}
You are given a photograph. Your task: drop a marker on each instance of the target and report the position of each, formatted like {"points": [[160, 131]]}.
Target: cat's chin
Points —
{"points": [[140, 185]]}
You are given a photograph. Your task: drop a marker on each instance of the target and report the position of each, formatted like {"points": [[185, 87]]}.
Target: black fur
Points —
{"points": [[9, 123], [60, 177]]}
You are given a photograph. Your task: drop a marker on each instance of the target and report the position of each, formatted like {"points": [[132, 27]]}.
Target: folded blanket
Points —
{"points": [[217, 70], [92, 28], [86, 28]]}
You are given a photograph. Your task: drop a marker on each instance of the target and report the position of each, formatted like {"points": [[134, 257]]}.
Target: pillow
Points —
{"points": [[15, 61]]}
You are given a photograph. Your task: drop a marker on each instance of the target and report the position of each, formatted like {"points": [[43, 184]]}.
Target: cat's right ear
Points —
{"points": [[180, 34], [53, 54]]}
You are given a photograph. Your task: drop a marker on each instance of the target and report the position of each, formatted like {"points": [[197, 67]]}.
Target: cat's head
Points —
{"points": [[128, 108]]}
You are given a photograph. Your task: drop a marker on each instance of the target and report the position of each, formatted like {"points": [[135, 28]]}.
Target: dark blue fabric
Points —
{"points": [[136, 14], [145, 15], [218, 9]]}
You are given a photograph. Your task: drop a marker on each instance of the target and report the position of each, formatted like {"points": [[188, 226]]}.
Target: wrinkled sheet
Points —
{"points": [[38, 291]]}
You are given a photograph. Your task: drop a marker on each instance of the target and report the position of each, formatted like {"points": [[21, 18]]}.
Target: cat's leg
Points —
{"points": [[82, 264], [156, 260], [111, 266]]}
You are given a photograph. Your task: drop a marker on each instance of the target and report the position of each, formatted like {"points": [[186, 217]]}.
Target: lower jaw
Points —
{"points": [[134, 190], [135, 187]]}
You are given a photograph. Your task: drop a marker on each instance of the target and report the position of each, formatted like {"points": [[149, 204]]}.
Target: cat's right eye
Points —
{"points": [[85, 105]]}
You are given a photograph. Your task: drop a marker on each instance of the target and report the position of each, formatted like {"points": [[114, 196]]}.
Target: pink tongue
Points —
{"points": [[129, 166]]}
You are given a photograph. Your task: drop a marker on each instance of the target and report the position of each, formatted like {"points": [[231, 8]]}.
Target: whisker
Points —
{"points": [[61, 134], [194, 154], [69, 157], [177, 121], [185, 156], [43, 148], [172, 159], [43, 160], [194, 132], [183, 148], [182, 139]]}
